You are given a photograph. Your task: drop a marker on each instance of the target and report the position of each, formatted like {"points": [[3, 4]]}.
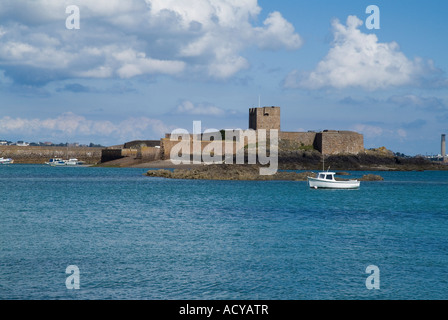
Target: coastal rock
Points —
{"points": [[371, 177], [238, 172], [227, 172]]}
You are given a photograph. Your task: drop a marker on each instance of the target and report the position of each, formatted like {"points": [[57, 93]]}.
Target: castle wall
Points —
{"points": [[141, 143], [305, 138], [339, 142], [329, 142], [114, 154], [149, 153], [110, 154], [167, 145]]}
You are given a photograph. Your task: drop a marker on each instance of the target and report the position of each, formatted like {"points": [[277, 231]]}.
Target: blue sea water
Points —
{"points": [[136, 237]]}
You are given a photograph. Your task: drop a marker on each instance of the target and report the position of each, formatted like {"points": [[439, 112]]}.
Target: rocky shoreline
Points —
{"points": [[371, 160], [379, 159], [306, 161], [238, 172]]}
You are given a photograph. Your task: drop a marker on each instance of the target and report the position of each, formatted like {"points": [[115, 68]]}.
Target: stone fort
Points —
{"points": [[327, 142]]}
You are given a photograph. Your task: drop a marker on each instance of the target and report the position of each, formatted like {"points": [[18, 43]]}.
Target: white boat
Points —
{"points": [[59, 162], [6, 160], [326, 180], [53, 161], [73, 162]]}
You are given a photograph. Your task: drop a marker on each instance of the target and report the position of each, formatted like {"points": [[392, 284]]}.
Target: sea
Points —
{"points": [[90, 233]]}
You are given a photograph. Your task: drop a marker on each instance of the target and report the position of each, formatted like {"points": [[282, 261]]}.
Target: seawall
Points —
{"points": [[42, 154]]}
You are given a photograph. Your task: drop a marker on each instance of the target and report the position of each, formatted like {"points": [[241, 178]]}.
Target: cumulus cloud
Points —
{"points": [[188, 107], [124, 39], [71, 125], [369, 130], [376, 131], [201, 109], [357, 59]]}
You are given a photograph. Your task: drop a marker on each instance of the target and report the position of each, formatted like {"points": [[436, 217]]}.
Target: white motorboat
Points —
{"points": [[58, 162], [72, 162], [53, 161], [326, 180], [6, 160]]}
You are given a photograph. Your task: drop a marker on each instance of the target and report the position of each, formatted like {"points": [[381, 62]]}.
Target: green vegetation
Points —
{"points": [[305, 148]]}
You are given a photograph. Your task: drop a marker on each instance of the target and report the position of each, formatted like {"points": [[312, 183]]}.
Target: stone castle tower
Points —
{"points": [[264, 118], [326, 142]]}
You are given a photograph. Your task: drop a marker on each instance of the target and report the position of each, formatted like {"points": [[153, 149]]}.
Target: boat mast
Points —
{"points": [[323, 162]]}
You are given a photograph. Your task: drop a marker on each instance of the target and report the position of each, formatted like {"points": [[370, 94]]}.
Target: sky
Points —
{"points": [[138, 69]]}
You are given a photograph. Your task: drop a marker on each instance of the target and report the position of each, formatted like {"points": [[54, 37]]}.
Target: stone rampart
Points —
{"points": [[149, 154], [136, 144], [167, 145], [331, 142], [305, 138], [114, 154]]}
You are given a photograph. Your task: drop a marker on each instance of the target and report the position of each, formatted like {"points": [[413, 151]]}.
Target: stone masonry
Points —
{"points": [[264, 118]]}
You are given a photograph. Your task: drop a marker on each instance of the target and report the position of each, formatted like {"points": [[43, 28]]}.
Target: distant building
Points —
{"points": [[22, 144], [443, 147]]}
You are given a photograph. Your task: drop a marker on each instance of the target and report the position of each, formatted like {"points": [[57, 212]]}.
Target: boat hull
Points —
{"points": [[332, 184]]}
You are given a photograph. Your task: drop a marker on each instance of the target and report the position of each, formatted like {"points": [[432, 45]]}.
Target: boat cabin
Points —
{"points": [[326, 176]]}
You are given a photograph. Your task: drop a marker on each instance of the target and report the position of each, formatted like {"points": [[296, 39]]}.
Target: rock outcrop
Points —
{"points": [[238, 172]]}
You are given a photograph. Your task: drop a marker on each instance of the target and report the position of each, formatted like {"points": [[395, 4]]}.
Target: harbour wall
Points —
{"points": [[145, 154], [32, 154]]}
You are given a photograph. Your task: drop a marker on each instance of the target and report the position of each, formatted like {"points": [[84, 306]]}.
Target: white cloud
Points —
{"points": [[188, 107], [70, 125], [357, 59], [369, 130], [136, 63], [374, 131], [402, 133], [137, 37], [279, 33]]}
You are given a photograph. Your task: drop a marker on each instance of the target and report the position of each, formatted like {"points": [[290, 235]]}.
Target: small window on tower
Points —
{"points": [[266, 114]]}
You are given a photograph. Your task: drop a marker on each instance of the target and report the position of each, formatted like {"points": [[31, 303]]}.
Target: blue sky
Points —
{"points": [[140, 68]]}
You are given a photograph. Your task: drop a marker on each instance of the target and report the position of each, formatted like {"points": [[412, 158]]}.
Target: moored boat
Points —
{"points": [[60, 162], [53, 161], [326, 180], [73, 162], [6, 160]]}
